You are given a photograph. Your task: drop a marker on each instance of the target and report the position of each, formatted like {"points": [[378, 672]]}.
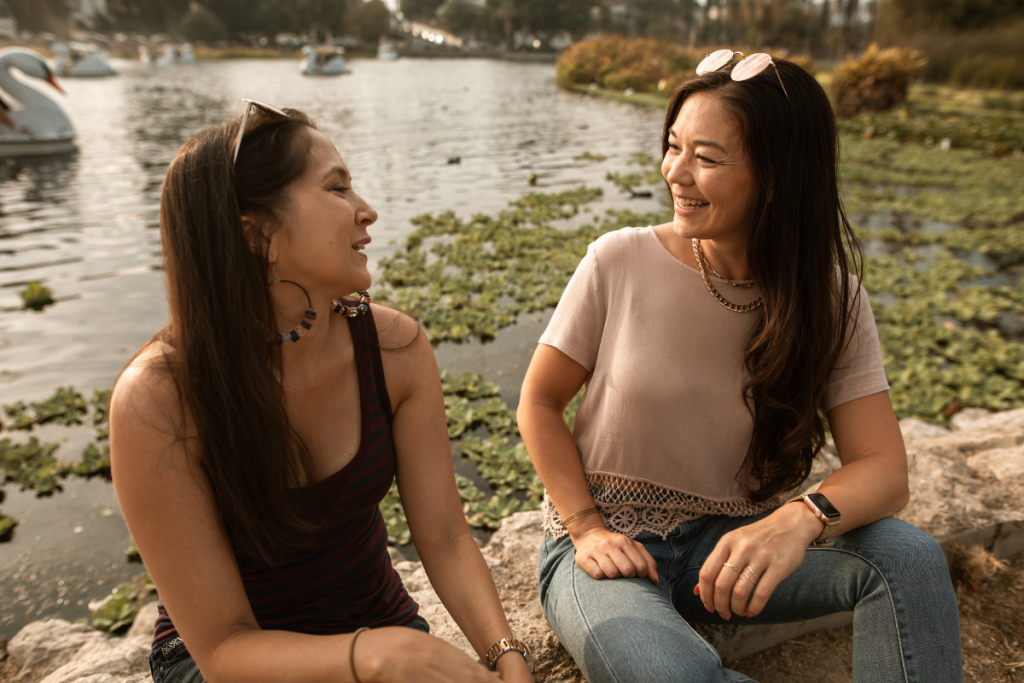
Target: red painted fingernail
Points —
{"points": [[696, 589], [708, 608], [749, 615], [728, 617]]}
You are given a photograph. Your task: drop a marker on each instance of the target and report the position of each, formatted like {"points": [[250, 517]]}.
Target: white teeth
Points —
{"points": [[359, 247], [682, 201]]}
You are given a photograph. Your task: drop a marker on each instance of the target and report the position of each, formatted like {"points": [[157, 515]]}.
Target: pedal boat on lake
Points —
{"points": [[322, 61], [31, 122], [81, 60]]}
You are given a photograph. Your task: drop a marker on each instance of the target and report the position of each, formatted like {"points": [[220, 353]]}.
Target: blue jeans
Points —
{"points": [[172, 663], [890, 574]]}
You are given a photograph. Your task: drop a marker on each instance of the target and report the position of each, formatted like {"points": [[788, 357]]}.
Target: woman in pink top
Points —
{"points": [[714, 350]]}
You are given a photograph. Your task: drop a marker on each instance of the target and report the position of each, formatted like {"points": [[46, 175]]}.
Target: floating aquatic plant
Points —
{"points": [[36, 296], [65, 407]]}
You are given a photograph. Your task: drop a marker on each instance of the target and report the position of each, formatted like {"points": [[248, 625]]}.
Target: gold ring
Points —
{"points": [[752, 573], [732, 567]]}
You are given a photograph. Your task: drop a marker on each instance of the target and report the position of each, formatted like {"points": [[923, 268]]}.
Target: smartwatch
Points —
{"points": [[826, 512]]}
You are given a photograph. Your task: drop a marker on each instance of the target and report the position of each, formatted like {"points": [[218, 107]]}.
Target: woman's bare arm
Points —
{"points": [[552, 381], [173, 517], [871, 484], [426, 482]]}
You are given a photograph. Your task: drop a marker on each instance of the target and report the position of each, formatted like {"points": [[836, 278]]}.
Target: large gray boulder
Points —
{"points": [[966, 484]]}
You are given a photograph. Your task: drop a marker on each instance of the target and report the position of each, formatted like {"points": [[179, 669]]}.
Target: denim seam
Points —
{"points": [[586, 621], [888, 590]]}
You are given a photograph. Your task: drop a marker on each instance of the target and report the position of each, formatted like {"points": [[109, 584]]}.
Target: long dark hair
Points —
{"points": [[216, 284], [802, 253]]}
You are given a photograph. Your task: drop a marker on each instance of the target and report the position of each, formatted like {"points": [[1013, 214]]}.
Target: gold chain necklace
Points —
{"points": [[698, 254]]}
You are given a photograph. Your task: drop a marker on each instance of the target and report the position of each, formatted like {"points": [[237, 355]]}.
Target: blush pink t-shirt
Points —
{"points": [[662, 429]]}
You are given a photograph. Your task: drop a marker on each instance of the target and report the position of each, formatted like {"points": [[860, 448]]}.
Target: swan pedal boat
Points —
{"points": [[80, 60], [39, 127], [326, 62]]}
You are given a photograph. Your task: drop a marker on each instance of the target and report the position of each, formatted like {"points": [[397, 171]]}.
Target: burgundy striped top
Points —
{"points": [[347, 582]]}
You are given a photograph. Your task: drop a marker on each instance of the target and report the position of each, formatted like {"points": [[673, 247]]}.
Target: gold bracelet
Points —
{"points": [[352, 654], [576, 515]]}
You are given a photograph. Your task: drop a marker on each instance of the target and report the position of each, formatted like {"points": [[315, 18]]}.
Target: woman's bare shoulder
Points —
{"points": [[146, 395], [395, 330]]}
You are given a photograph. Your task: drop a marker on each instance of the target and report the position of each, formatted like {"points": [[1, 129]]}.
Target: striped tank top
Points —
{"points": [[347, 582]]}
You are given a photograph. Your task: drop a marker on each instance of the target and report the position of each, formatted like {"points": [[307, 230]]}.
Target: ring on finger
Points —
{"points": [[752, 573], [737, 570]]}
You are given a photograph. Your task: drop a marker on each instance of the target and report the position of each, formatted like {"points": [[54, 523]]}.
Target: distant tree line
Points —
{"points": [[812, 26], [214, 20]]}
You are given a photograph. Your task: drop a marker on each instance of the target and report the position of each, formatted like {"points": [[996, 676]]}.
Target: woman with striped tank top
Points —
{"points": [[253, 438]]}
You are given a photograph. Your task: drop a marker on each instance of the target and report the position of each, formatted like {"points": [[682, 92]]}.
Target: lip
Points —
{"points": [[688, 210]]}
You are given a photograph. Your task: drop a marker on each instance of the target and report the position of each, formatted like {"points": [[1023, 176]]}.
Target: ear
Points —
{"points": [[259, 241]]}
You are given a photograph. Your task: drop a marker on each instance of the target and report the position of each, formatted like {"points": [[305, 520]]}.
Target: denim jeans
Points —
{"points": [[171, 662], [890, 574]]}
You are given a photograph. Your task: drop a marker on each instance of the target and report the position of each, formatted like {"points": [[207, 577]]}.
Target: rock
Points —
{"points": [[145, 622], [967, 416], [55, 651], [960, 445], [395, 554], [1004, 464], [966, 488], [42, 647], [980, 419], [916, 429]]}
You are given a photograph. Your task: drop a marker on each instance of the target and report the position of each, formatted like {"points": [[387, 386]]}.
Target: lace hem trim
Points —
{"points": [[631, 506]]}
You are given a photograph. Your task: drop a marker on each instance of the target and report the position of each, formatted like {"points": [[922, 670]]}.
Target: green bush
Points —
{"points": [[875, 81], [202, 25], [992, 57], [643, 64]]}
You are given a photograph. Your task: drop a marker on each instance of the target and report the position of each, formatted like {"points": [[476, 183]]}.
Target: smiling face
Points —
{"points": [[713, 184], [323, 229]]}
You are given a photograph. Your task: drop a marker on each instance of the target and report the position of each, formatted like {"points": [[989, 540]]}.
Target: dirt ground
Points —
{"points": [[991, 597]]}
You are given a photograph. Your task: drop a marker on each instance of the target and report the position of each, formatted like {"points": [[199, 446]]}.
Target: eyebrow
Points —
{"points": [[700, 143], [338, 170]]}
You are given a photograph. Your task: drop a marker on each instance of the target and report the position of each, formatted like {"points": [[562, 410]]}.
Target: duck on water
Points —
{"points": [[32, 124]]}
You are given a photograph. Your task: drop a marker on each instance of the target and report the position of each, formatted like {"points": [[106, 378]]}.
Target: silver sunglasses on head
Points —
{"points": [[745, 69], [249, 104]]}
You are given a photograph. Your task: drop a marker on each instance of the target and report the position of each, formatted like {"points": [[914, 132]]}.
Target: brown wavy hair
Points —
{"points": [[802, 253], [224, 370]]}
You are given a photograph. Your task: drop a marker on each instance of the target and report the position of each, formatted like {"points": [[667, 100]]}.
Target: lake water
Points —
{"points": [[86, 226]]}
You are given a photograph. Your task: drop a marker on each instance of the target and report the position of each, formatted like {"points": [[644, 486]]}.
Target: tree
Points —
{"points": [[460, 16], [146, 16], [369, 20], [40, 15], [202, 25], [420, 10]]}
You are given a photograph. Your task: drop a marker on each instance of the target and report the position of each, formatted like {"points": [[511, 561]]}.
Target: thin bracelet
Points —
{"points": [[352, 653], [576, 515]]}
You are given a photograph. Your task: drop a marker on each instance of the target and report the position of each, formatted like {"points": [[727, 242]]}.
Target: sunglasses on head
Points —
{"points": [[249, 104], [745, 69]]}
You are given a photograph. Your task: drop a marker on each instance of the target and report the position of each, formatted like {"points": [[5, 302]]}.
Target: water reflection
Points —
{"points": [[85, 224]]}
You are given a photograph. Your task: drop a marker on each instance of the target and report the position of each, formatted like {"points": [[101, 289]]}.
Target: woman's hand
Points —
{"points": [[605, 554], [403, 655], [763, 553]]}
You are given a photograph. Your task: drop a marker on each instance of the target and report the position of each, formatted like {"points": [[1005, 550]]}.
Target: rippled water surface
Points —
{"points": [[86, 226]]}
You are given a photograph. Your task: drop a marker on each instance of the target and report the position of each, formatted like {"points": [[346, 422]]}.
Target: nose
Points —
{"points": [[365, 214], [676, 170]]}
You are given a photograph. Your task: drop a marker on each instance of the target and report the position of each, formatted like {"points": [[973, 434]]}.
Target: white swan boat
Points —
{"points": [[80, 60], [318, 62], [38, 126]]}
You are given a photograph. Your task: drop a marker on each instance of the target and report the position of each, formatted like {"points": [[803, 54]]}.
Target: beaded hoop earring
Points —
{"points": [[362, 308], [303, 327]]}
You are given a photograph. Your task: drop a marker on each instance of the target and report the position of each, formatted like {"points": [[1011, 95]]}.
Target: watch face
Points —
{"points": [[822, 504]]}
